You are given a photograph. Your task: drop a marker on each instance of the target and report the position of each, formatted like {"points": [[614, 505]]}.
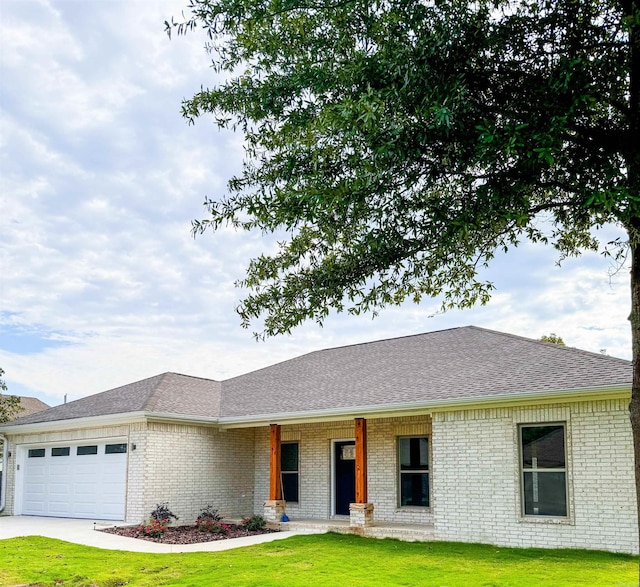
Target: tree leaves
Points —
{"points": [[395, 145], [10, 406]]}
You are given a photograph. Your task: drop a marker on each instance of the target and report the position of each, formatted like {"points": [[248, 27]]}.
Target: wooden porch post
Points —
{"points": [[275, 484], [361, 461]]}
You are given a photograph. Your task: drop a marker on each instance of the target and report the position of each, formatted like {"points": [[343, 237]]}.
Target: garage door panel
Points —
{"points": [[112, 491], [87, 469], [85, 509], [59, 471], [63, 483], [36, 471], [36, 508], [114, 467], [34, 489], [59, 508], [81, 490], [112, 479], [59, 489], [35, 494], [111, 510]]}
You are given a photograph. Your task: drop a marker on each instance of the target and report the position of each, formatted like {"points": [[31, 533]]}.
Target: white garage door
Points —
{"points": [[85, 480]]}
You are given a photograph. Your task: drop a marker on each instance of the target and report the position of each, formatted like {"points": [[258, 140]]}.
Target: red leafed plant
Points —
{"points": [[154, 528], [212, 526]]}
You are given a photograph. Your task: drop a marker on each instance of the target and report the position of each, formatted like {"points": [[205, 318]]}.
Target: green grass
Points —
{"points": [[330, 559]]}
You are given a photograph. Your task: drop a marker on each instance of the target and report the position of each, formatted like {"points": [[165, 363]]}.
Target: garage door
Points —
{"points": [[76, 480]]}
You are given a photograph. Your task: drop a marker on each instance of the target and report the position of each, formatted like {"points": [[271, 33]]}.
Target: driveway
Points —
{"points": [[87, 532]]}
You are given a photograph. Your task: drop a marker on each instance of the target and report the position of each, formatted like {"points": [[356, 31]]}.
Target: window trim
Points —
{"points": [[400, 472], [86, 453], [124, 445], [296, 472], [522, 470], [63, 451]]}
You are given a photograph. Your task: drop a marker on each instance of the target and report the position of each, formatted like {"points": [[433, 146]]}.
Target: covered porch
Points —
{"points": [[366, 476]]}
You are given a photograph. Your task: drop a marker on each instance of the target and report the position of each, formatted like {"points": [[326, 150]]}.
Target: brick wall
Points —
{"points": [[315, 466], [476, 477], [135, 473], [191, 467], [383, 468]]}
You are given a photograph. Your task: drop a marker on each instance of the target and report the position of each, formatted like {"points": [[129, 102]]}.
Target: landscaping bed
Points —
{"points": [[186, 534]]}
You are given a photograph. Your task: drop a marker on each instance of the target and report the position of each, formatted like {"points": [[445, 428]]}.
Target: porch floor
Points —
{"points": [[406, 532]]}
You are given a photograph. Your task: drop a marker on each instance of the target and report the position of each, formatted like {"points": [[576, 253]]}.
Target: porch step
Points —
{"points": [[405, 532]]}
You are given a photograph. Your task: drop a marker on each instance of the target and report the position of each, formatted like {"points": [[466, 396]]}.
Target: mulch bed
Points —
{"points": [[186, 534]]}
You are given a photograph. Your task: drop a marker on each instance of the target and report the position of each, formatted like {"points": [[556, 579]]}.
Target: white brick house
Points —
{"points": [[479, 435]]}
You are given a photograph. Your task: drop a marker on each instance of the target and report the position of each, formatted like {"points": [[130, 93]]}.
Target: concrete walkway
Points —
{"points": [[86, 532]]}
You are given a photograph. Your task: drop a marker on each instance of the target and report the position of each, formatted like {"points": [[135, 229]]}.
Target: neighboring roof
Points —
{"points": [[464, 363], [446, 365], [169, 393], [31, 405]]}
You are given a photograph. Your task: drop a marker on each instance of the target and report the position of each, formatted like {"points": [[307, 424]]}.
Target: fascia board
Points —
{"points": [[181, 418], [73, 423]]}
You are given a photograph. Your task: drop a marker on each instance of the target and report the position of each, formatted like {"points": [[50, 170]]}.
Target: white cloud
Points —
{"points": [[100, 179]]}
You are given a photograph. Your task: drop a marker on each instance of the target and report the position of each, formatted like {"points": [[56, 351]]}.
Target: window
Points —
{"points": [[36, 452], [413, 464], [289, 469], [111, 449], [544, 471], [62, 451], [87, 450]]}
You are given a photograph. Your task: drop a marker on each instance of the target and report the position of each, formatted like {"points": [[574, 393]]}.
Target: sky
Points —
{"points": [[101, 281]]}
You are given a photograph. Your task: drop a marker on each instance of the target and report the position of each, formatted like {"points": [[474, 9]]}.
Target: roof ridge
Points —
{"points": [[346, 346], [565, 347], [158, 388], [153, 389], [191, 376], [102, 393], [368, 342]]}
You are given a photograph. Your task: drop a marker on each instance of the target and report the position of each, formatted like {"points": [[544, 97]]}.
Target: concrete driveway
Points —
{"points": [[87, 532]]}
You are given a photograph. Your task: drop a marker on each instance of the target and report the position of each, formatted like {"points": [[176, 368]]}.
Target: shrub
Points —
{"points": [[212, 526], [155, 528], [209, 513], [162, 513], [209, 520], [254, 523]]}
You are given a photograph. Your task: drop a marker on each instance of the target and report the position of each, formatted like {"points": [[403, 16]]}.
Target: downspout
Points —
{"points": [[5, 464]]}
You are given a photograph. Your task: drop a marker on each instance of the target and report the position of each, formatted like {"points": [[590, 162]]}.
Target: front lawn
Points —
{"points": [[329, 559]]}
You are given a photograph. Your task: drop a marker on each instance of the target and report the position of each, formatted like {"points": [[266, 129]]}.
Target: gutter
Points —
{"points": [[66, 424], [181, 418], [106, 420], [5, 464]]}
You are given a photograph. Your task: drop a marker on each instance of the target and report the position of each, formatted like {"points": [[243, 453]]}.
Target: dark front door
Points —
{"points": [[344, 475]]}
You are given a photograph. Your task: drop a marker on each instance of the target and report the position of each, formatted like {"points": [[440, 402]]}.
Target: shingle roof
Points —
{"points": [[31, 405], [454, 364], [166, 393], [446, 365]]}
